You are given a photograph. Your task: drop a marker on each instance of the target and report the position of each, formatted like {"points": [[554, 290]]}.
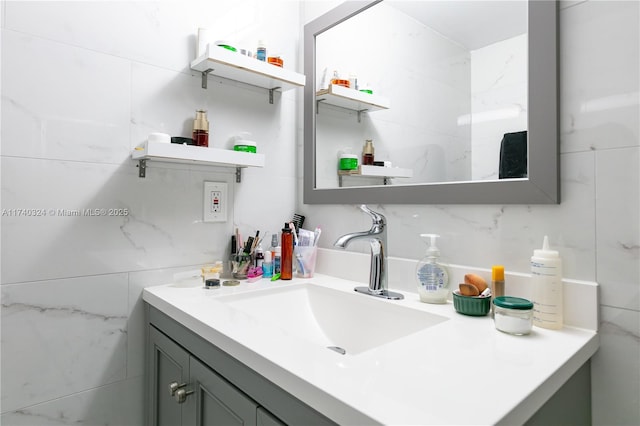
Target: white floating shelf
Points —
{"points": [[234, 66], [352, 99], [376, 172], [190, 154]]}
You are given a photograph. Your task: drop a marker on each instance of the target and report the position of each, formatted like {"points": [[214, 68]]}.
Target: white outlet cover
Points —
{"points": [[215, 202]]}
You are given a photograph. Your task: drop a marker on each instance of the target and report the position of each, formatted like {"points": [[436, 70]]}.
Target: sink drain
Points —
{"points": [[338, 349]]}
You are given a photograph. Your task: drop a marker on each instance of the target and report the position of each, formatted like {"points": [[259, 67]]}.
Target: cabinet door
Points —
{"points": [[265, 418], [169, 363], [215, 401]]}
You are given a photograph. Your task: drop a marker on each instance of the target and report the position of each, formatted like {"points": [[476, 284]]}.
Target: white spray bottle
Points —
{"points": [[546, 280], [432, 277]]}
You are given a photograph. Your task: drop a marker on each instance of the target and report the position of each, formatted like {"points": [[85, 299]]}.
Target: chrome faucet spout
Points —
{"points": [[343, 241], [377, 237]]}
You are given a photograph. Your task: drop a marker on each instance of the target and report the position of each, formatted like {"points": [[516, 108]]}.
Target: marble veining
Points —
{"points": [[612, 328], [13, 308], [62, 335], [116, 404], [128, 229]]}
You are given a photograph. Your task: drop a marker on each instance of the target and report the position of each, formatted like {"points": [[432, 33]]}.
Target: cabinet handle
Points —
{"points": [[182, 394], [174, 386]]}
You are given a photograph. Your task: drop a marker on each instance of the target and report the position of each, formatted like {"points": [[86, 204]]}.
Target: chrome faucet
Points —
{"points": [[377, 237]]}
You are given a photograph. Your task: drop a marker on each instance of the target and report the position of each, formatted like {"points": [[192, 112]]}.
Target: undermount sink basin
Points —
{"points": [[349, 323]]}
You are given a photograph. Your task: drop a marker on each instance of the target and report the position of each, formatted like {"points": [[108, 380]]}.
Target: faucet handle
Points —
{"points": [[377, 218]]}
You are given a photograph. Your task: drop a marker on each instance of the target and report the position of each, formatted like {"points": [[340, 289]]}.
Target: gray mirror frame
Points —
{"points": [[543, 184]]}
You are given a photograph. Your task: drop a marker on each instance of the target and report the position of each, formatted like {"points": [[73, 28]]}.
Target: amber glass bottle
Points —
{"points": [[201, 129], [367, 153], [287, 253]]}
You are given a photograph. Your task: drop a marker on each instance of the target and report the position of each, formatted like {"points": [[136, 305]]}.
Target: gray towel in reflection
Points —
{"points": [[513, 155]]}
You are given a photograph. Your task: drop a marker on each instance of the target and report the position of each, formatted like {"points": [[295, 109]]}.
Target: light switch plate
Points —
{"points": [[215, 202]]}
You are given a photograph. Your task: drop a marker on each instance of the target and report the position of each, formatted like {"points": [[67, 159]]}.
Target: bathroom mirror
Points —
{"points": [[460, 97]]}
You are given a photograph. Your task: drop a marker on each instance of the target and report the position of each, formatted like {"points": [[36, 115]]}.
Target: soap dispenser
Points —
{"points": [[432, 277]]}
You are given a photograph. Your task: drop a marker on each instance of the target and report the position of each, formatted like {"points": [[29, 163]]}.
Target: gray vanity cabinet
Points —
{"points": [[184, 391], [192, 382]]}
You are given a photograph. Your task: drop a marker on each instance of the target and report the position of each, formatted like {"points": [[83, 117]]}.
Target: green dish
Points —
{"points": [[474, 306]]}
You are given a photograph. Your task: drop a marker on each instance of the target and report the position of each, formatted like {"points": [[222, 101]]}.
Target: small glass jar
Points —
{"points": [[513, 315], [240, 263], [348, 162]]}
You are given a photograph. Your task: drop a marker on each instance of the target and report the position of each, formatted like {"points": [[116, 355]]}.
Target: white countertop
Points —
{"points": [[422, 378]]}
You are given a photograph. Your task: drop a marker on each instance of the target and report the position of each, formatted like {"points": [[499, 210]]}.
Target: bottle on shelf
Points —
{"points": [[367, 153], [261, 51], [201, 128]]}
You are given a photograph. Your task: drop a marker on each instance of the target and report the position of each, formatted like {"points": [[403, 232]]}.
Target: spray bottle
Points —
{"points": [[546, 280], [433, 279]]}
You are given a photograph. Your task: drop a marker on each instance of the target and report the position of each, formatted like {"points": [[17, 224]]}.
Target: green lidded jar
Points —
{"points": [[513, 315], [348, 162], [243, 145]]}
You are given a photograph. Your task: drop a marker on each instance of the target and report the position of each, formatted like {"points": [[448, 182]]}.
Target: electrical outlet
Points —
{"points": [[215, 202]]}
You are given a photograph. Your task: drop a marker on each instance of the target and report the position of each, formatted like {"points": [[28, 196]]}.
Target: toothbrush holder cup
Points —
{"points": [[305, 260]]}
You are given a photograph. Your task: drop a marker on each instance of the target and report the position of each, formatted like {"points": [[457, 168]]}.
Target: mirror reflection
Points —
{"points": [[439, 88]]}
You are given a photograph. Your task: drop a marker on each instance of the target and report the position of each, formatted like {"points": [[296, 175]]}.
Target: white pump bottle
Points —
{"points": [[546, 280]]}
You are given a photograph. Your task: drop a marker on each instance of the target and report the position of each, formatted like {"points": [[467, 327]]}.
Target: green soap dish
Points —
{"points": [[476, 306]]}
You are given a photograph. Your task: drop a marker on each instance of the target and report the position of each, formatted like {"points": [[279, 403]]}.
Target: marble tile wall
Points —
{"points": [[596, 227], [83, 83]]}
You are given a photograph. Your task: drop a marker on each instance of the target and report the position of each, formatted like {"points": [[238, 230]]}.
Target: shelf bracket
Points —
{"points": [[205, 74], [142, 168], [271, 94], [238, 174], [318, 105], [360, 114]]}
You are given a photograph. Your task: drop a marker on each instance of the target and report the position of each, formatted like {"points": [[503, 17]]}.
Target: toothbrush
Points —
{"points": [[295, 235], [296, 252], [316, 236]]}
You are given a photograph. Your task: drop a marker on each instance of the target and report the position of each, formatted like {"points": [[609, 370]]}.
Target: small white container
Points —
{"points": [[159, 137], [513, 315]]}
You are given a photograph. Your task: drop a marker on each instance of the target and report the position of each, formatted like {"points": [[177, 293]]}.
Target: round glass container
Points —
{"points": [[513, 315]]}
